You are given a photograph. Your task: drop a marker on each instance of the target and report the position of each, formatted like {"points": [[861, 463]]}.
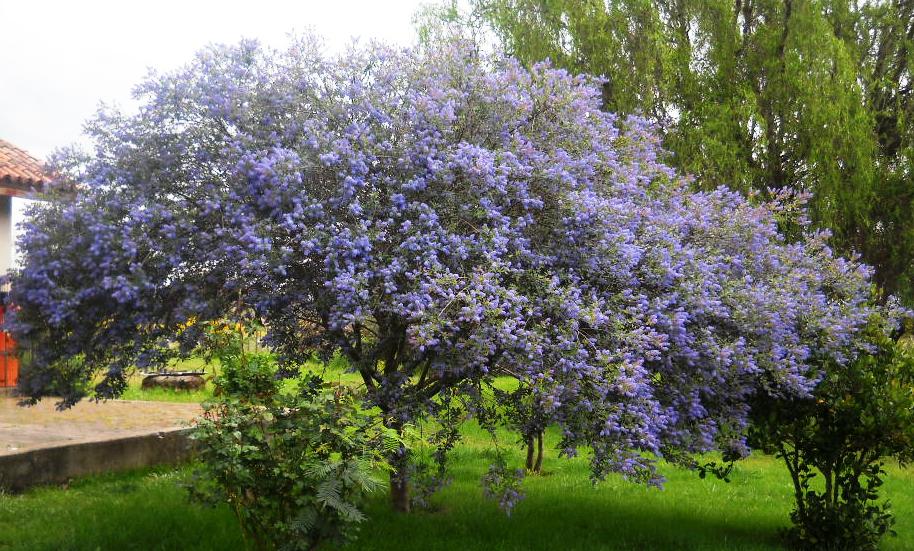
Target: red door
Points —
{"points": [[9, 361]]}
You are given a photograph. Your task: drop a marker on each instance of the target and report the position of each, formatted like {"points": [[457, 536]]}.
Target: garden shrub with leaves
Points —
{"points": [[246, 375], [294, 467], [835, 443]]}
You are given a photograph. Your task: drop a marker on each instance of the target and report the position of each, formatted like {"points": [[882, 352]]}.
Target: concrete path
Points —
{"points": [[42, 426]]}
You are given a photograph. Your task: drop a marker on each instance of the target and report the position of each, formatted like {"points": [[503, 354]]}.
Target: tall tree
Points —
{"points": [[438, 217], [811, 95]]}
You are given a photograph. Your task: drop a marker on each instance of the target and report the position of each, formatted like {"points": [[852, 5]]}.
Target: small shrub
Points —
{"points": [[520, 409], [251, 377], [835, 442], [293, 467]]}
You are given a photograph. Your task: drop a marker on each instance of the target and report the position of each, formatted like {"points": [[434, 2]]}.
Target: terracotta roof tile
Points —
{"points": [[19, 169]]}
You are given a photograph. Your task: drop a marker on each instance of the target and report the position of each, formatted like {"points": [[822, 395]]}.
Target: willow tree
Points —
{"points": [[756, 95]]}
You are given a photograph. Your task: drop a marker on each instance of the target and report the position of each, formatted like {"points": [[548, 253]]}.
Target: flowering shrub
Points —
{"points": [[438, 218]]}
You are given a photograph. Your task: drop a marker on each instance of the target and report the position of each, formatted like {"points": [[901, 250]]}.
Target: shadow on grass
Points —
{"points": [[565, 512], [576, 525]]}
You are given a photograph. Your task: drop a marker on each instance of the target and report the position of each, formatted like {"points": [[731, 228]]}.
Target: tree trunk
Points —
{"points": [[399, 490], [538, 467], [535, 454], [399, 475], [530, 454]]}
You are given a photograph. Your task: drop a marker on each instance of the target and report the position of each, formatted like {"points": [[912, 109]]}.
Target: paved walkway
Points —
{"points": [[43, 426]]}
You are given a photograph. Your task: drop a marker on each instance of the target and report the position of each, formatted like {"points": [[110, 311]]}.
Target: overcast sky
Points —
{"points": [[59, 59]]}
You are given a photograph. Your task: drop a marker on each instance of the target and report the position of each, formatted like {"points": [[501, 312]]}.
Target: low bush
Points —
{"points": [[835, 443], [294, 467]]}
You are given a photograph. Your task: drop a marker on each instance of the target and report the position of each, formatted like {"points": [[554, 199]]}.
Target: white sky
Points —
{"points": [[59, 59]]}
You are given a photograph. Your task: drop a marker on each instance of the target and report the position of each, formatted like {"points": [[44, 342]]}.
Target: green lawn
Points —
{"points": [[148, 510], [334, 372]]}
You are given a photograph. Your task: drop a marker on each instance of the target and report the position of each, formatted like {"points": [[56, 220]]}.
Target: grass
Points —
{"points": [[563, 510], [334, 372], [148, 510], [135, 391], [144, 510]]}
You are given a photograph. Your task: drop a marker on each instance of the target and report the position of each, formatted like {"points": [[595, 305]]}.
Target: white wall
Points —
{"points": [[6, 234]]}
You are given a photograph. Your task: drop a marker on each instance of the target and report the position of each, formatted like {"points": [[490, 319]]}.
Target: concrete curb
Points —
{"points": [[58, 464]]}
